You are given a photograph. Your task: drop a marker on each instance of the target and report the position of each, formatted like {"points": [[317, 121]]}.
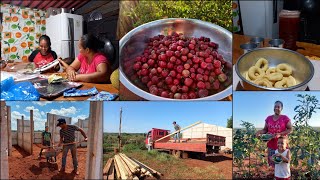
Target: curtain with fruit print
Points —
{"points": [[21, 29]]}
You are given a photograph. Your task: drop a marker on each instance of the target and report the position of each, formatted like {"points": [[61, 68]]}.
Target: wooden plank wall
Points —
{"points": [[94, 149], [52, 123], [4, 143]]}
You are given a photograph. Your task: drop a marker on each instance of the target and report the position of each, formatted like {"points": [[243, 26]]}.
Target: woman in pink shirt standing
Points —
{"points": [[90, 65], [277, 125]]}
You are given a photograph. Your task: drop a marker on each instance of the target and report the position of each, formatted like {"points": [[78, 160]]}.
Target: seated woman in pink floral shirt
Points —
{"points": [[90, 65], [278, 125]]}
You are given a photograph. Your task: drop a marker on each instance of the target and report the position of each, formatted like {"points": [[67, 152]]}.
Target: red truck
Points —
{"points": [[201, 147]]}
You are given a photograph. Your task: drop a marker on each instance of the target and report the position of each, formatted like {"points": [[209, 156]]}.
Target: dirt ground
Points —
{"points": [[25, 166], [216, 167]]}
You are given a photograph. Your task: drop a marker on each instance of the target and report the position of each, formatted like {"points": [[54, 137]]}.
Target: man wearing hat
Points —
{"points": [[67, 139], [177, 128]]}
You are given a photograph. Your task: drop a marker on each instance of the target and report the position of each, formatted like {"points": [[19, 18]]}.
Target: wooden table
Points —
{"points": [[100, 87], [307, 49]]}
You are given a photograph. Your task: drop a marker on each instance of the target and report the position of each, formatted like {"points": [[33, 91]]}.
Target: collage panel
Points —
{"points": [[276, 135], [167, 140], [36, 138], [173, 50], [276, 50], [59, 51]]}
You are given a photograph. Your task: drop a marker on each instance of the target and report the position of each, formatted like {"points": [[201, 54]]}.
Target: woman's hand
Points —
{"points": [[258, 133], [64, 64], [71, 73], [276, 135]]}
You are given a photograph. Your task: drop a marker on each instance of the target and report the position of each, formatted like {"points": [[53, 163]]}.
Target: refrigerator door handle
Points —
{"points": [[275, 11]]}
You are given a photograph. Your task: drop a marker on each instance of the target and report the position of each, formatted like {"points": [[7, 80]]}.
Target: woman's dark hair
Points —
{"points": [[47, 39], [92, 42], [279, 103]]}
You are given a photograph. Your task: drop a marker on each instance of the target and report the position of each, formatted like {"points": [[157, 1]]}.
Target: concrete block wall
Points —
{"points": [[36, 135]]}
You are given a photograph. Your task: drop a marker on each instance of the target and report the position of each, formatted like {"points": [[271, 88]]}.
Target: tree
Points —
{"points": [[230, 122]]}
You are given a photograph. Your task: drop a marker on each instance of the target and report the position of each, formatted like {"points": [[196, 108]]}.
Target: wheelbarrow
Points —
{"points": [[51, 152]]}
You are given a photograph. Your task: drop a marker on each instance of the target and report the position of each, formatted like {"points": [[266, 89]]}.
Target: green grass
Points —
{"points": [[171, 167]]}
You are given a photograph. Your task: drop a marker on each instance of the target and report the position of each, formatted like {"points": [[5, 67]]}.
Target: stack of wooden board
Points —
{"points": [[123, 167]]}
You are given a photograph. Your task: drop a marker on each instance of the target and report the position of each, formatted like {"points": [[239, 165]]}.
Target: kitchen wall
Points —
{"points": [[21, 28]]}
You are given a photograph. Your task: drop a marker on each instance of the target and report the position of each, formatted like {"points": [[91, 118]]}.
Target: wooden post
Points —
{"points": [[179, 130], [31, 131], [4, 170], [120, 130], [22, 124], [94, 162], [9, 131]]}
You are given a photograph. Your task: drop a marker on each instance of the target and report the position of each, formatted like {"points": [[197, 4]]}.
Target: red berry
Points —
{"points": [[203, 65], [217, 71], [172, 73], [185, 73], [174, 88], [176, 81], [192, 95], [203, 93], [185, 89], [180, 69], [165, 73], [165, 94], [201, 85], [216, 84], [186, 66], [169, 80], [188, 82], [199, 77], [216, 64], [173, 59]]}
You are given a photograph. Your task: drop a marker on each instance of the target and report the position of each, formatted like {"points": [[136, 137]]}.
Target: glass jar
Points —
{"points": [[289, 28]]}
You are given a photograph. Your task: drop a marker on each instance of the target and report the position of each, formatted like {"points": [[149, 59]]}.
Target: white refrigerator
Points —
{"points": [[65, 30], [261, 18]]}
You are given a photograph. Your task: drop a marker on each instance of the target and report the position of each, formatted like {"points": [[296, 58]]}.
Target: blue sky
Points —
{"points": [[254, 107], [76, 110], [140, 117]]}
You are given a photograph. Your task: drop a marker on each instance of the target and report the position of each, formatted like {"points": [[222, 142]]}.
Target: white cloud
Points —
{"points": [[75, 119], [43, 113], [64, 111], [36, 112], [14, 116], [42, 103], [17, 106]]}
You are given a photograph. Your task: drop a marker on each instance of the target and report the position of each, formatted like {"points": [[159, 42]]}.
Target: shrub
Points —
{"points": [[217, 12], [132, 147]]}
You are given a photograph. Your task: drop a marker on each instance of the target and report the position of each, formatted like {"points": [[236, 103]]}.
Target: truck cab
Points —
{"points": [[157, 134]]}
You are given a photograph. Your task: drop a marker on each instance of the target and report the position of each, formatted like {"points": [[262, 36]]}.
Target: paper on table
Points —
{"points": [[313, 84], [17, 76]]}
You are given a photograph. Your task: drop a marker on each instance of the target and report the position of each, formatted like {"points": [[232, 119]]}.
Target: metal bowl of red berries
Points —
{"points": [[177, 59]]}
